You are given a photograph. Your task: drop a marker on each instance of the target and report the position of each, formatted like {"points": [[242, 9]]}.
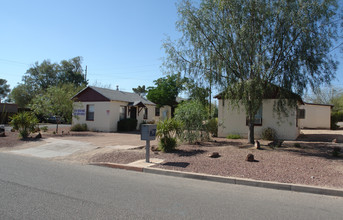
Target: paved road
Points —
{"points": [[33, 188]]}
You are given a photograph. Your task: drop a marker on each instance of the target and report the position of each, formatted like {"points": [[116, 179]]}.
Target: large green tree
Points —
{"points": [[41, 76], [244, 46], [56, 101], [166, 90], [4, 89]]}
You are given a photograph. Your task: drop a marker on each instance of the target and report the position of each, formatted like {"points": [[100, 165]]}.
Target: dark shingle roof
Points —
{"points": [[116, 95]]}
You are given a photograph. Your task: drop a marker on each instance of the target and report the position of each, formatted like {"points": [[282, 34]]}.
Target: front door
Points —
{"points": [[133, 112]]}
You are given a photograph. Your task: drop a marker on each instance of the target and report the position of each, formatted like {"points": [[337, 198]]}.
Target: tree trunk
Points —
{"points": [[251, 130], [57, 127]]}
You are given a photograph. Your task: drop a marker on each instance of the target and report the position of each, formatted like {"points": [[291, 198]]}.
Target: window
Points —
{"points": [[122, 112], [157, 111], [258, 118], [90, 113], [301, 113], [145, 116]]}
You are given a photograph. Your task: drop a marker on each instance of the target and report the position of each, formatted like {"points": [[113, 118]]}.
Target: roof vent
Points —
{"points": [[117, 87]]}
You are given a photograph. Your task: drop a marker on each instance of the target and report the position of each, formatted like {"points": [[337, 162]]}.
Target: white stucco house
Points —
{"points": [[233, 120], [317, 116], [101, 109]]}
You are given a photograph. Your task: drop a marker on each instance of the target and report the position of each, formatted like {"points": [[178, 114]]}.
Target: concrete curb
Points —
{"points": [[118, 166], [230, 180]]}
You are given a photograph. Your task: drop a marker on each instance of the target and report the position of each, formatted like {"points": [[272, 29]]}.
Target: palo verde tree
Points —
{"points": [[244, 46]]}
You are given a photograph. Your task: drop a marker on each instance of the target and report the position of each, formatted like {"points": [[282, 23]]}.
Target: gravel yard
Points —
{"points": [[308, 160], [309, 163]]}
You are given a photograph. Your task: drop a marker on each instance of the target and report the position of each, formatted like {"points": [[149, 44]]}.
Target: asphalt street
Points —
{"points": [[34, 188]]}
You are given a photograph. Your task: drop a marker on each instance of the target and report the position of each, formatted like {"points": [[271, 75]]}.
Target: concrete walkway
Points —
{"points": [[56, 148]]}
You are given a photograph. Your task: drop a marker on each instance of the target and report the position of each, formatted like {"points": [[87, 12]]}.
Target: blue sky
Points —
{"points": [[120, 41]]}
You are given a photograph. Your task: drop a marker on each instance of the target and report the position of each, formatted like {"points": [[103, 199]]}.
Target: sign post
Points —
{"points": [[148, 132]]}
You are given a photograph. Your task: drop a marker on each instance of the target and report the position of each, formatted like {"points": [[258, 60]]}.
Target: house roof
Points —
{"points": [[307, 103], [116, 95]]}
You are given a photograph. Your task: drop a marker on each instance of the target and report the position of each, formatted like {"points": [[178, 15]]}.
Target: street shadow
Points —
{"points": [[176, 164]]}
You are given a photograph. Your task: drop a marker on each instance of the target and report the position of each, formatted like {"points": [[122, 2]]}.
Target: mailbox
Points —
{"points": [[148, 132]]}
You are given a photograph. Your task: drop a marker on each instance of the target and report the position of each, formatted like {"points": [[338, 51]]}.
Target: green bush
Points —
{"points": [[233, 136], [336, 151], [167, 144], [44, 128], [25, 123], [336, 117], [128, 124], [193, 116], [212, 127], [168, 131], [269, 134], [79, 127]]}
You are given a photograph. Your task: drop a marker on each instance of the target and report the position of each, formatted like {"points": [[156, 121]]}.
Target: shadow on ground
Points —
{"points": [[188, 153], [321, 137], [176, 164]]}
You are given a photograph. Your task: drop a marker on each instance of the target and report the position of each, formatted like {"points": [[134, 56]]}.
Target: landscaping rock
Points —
{"points": [[250, 158], [38, 136], [276, 143], [257, 145], [214, 155], [334, 140]]}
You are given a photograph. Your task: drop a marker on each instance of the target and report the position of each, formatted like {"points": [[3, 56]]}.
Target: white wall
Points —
{"points": [[316, 116], [103, 116], [233, 121], [107, 114], [165, 113]]}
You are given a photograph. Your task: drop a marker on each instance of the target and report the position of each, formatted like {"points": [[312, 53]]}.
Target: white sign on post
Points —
{"points": [[148, 132]]}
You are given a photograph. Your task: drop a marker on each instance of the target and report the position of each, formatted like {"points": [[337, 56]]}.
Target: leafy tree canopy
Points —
{"points": [[56, 101], [40, 77], [4, 88], [140, 90], [243, 46], [166, 90]]}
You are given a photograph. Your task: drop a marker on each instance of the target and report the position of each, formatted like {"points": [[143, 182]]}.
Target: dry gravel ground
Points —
{"points": [[311, 163]]}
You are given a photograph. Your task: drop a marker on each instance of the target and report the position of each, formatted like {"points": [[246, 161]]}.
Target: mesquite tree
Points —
{"points": [[247, 47]]}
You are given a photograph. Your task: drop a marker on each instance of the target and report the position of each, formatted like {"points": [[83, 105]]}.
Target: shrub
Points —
{"points": [[233, 136], [79, 127], [24, 122], [212, 127], [269, 134], [167, 144], [336, 151], [168, 131], [193, 116], [297, 145], [336, 117], [44, 128], [128, 124]]}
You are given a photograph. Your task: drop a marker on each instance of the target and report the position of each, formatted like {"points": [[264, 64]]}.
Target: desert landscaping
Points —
{"points": [[309, 160]]}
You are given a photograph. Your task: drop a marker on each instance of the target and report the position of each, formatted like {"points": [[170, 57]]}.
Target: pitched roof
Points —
{"points": [[116, 95]]}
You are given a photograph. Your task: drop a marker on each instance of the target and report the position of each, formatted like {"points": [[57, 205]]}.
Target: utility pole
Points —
{"points": [[86, 74]]}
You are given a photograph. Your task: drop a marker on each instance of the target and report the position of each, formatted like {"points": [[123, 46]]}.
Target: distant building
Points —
{"points": [[101, 109]]}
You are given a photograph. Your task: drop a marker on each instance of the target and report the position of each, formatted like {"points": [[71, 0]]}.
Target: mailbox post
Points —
{"points": [[148, 132]]}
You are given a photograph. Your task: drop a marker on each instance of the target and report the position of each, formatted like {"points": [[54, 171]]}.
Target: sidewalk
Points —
{"points": [[142, 166]]}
